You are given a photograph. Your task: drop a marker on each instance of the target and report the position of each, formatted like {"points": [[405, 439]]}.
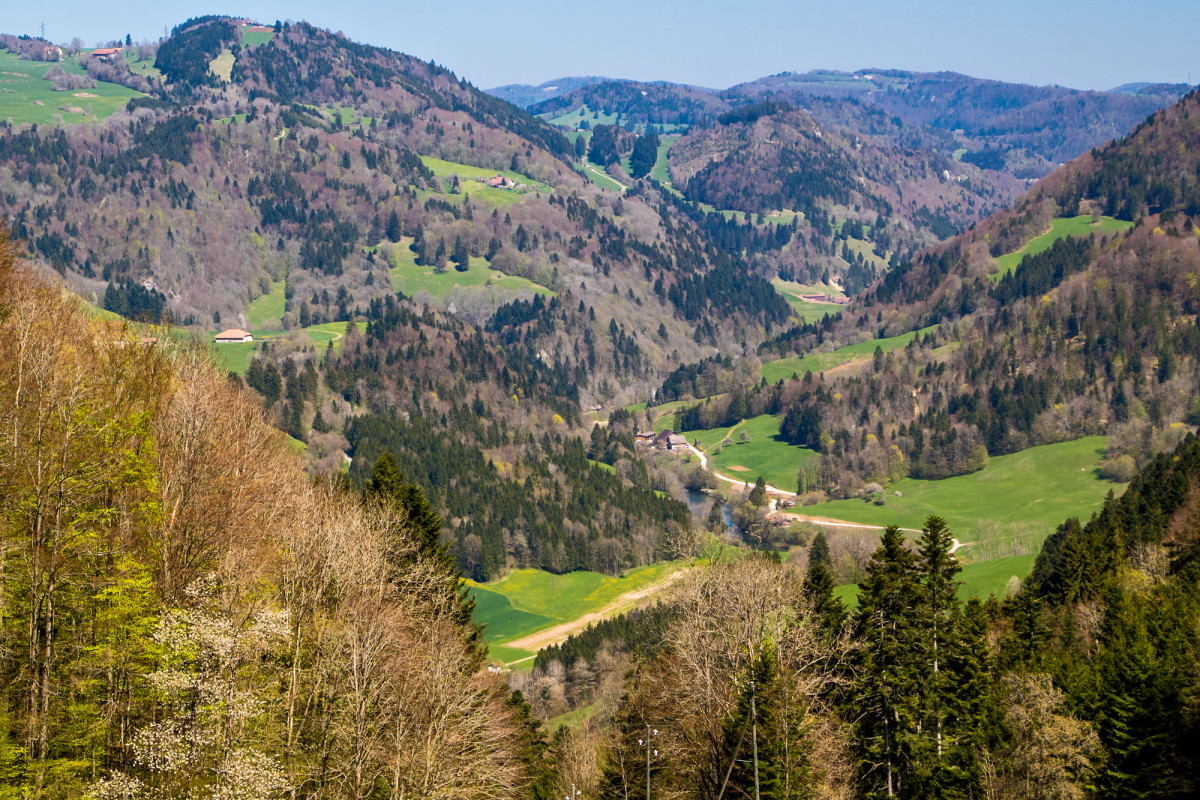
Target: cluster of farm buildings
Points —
{"points": [[666, 440]]}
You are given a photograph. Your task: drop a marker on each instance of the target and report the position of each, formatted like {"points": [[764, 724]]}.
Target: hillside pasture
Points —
{"points": [[765, 452], [470, 177], [806, 310], [1061, 228], [529, 601], [410, 277], [784, 368], [255, 38], [25, 97], [1010, 505], [267, 306], [571, 119], [236, 357]]}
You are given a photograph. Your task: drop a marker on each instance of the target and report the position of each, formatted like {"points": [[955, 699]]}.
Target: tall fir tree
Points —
{"points": [[888, 668]]}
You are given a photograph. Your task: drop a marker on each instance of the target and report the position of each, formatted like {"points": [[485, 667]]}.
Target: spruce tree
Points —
{"points": [[818, 587], [388, 485], [889, 667], [938, 614]]}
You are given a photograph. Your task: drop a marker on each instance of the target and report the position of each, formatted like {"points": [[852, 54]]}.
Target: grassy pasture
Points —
{"points": [[267, 306], [1060, 228], [571, 119], [26, 98], [765, 454], [222, 65], [468, 174], [1025, 494], [601, 178], [410, 277], [255, 38], [661, 171], [807, 311], [529, 600], [782, 369], [236, 357]]}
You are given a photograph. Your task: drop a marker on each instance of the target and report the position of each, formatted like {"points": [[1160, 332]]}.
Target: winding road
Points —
{"points": [[827, 522]]}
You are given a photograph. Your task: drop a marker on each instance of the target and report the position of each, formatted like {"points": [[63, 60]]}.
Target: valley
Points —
{"points": [[857, 410]]}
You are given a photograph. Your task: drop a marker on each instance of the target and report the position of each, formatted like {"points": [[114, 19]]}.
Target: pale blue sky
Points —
{"points": [[1086, 44]]}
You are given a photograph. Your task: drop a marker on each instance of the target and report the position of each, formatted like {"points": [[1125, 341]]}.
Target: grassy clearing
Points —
{"points": [[139, 65], [529, 600], [236, 357], [661, 171], [601, 178], [255, 38], [571, 119], [1060, 228], [502, 619], [222, 65], [26, 98], [809, 312], [784, 368], [1012, 503], [410, 277], [765, 453], [571, 719], [267, 306], [467, 176]]}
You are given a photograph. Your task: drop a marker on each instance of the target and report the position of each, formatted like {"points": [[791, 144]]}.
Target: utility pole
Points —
{"points": [[754, 738], [649, 735]]}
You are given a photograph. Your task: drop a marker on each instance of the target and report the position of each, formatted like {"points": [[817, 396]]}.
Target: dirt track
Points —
{"points": [[559, 633]]}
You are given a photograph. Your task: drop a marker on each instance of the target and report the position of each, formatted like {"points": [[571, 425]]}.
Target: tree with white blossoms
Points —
{"points": [[219, 664]]}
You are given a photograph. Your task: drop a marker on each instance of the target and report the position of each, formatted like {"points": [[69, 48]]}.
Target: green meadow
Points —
{"points": [[784, 368], [661, 171], [809, 312], [410, 277], [529, 600], [763, 453], [1016, 499], [601, 178], [267, 306], [469, 180], [255, 38], [26, 98], [222, 65], [571, 119], [236, 357], [1061, 228]]}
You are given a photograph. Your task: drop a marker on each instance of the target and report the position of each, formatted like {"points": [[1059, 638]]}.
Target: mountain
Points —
{"points": [[1070, 314], [1047, 122], [524, 95]]}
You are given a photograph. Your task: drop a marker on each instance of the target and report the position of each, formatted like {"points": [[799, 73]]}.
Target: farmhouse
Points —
{"points": [[233, 335], [106, 53], [669, 440], [51, 53]]}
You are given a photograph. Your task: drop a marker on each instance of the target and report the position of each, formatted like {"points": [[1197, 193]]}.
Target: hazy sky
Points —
{"points": [[1086, 44]]}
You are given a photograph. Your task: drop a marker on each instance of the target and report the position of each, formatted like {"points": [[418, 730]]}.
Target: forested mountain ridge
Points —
{"points": [[1094, 334], [524, 95], [769, 158]]}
